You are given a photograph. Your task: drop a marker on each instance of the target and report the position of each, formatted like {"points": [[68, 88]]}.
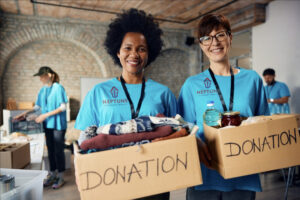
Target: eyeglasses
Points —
{"points": [[207, 40]]}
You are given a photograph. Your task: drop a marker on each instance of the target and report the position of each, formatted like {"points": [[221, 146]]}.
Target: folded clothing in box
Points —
{"points": [[143, 129]]}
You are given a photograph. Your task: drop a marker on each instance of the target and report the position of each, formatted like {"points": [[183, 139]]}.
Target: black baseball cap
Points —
{"points": [[43, 70]]}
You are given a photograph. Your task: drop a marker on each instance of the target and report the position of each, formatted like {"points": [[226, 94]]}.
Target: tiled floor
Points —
{"points": [[67, 192], [273, 189]]}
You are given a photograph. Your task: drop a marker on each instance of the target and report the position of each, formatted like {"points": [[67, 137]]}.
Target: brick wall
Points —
{"points": [[170, 69], [74, 49], [68, 60]]}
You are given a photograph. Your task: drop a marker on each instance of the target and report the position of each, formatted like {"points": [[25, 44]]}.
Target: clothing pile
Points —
{"points": [[141, 130]]}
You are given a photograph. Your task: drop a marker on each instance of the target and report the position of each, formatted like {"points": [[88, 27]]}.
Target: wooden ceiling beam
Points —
{"points": [[176, 14], [247, 17]]}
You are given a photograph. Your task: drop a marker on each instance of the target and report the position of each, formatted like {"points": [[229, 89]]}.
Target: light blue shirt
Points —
{"points": [[49, 99], [107, 103], [249, 99], [277, 91]]}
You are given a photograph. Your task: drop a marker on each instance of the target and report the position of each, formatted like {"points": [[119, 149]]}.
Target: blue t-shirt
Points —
{"points": [[107, 103], [49, 99], [249, 99], [277, 91]]}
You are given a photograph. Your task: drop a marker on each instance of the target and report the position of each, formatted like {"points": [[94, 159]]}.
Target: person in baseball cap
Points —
{"points": [[51, 101]]}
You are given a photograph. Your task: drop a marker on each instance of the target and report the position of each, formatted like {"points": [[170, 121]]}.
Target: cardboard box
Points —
{"points": [[26, 105], [134, 172], [15, 156], [297, 116], [254, 148]]}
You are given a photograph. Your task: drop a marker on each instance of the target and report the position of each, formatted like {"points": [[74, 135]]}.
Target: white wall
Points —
{"points": [[86, 84], [276, 44]]}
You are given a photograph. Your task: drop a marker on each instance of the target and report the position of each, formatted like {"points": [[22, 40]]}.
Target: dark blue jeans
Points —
{"points": [[192, 194], [55, 140], [162, 196]]}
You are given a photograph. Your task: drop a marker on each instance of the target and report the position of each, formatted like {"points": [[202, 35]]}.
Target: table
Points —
{"points": [[37, 145], [36, 149]]}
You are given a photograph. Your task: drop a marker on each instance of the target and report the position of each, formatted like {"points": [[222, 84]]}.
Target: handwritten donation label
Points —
{"points": [[134, 172], [138, 170], [262, 144]]}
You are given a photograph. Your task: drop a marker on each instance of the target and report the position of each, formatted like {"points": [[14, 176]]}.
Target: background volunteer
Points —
{"points": [[278, 93], [52, 100]]}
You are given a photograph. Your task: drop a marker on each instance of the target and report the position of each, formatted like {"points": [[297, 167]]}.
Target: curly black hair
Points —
{"points": [[137, 21]]}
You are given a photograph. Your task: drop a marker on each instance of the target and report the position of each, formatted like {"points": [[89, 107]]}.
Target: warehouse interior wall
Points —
{"points": [[276, 44]]}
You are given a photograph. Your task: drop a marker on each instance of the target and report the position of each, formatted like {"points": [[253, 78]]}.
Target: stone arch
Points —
{"points": [[25, 36], [170, 68], [18, 32], [19, 84]]}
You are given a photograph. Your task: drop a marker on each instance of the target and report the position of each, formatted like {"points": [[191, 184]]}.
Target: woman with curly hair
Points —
{"points": [[133, 40]]}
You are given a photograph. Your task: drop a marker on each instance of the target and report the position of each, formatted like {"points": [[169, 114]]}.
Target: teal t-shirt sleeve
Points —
{"points": [[284, 91], [61, 96], [186, 105], [38, 101], [261, 99], [87, 116], [172, 108]]}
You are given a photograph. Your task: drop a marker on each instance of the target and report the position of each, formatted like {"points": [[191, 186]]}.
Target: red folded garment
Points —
{"points": [[181, 133], [160, 115], [104, 141]]}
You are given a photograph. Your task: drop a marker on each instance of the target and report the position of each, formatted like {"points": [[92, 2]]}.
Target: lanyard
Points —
{"points": [[134, 114], [219, 91]]}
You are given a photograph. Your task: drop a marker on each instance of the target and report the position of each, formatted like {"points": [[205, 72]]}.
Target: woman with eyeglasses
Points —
{"points": [[231, 89]]}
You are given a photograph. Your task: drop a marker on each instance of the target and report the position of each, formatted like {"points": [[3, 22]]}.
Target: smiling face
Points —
{"points": [[218, 51], [133, 53]]}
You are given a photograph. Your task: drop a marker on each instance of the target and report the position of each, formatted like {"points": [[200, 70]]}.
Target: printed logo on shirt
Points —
{"points": [[207, 92], [207, 83], [114, 101], [114, 92]]}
